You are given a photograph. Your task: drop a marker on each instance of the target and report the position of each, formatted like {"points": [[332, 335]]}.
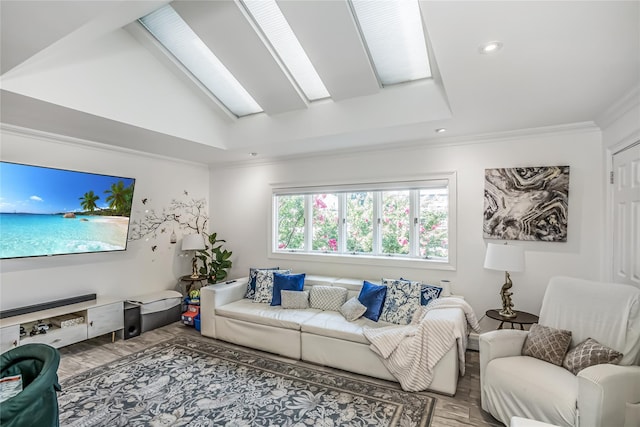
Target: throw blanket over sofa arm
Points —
{"points": [[603, 391], [217, 295], [496, 344]]}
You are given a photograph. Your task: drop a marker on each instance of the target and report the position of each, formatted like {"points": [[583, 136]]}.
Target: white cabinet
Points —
{"points": [[9, 337], [59, 337], [96, 317], [104, 319]]}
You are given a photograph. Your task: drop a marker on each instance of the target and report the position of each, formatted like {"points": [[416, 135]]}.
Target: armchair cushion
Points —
{"points": [[531, 388], [548, 344], [588, 353]]}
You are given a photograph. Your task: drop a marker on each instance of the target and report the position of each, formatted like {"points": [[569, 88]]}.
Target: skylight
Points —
{"points": [[276, 29], [178, 38], [392, 31]]}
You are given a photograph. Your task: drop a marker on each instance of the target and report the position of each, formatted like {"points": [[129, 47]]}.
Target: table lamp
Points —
{"points": [[193, 242], [505, 258]]}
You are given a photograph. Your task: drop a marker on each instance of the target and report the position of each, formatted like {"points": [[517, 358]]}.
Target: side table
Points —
{"points": [[186, 283], [522, 318]]}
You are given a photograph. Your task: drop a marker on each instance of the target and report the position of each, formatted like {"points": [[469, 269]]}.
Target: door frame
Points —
{"points": [[626, 143]]}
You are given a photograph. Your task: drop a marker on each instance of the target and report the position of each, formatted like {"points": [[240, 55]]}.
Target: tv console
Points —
{"points": [[67, 324]]}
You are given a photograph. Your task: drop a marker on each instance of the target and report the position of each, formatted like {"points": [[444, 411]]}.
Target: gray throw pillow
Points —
{"points": [[327, 297], [546, 343], [294, 299], [353, 309], [588, 353]]}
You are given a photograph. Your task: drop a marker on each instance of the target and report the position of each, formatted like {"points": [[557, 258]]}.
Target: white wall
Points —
{"points": [[241, 203], [137, 270]]}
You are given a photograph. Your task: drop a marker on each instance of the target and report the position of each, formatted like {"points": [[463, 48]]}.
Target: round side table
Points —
{"points": [[522, 318], [187, 283]]}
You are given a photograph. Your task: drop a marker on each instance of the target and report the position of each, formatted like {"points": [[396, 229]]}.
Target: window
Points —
{"points": [[409, 220]]}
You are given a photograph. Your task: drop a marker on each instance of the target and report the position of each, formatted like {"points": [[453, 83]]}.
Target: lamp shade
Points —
{"points": [[192, 242], [504, 257]]}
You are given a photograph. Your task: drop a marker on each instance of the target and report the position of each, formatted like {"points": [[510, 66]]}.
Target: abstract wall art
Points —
{"points": [[526, 203]]}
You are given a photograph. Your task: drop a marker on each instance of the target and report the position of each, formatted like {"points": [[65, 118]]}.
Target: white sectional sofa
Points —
{"points": [[322, 337]]}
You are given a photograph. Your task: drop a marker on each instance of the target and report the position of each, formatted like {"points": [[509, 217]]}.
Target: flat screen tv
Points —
{"points": [[46, 211]]}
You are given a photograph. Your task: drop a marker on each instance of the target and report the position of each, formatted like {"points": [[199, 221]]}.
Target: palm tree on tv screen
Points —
{"points": [[88, 201], [120, 197]]}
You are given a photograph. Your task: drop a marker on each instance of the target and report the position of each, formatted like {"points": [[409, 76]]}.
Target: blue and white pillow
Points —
{"points": [[403, 299], [251, 284], [264, 285], [429, 293]]}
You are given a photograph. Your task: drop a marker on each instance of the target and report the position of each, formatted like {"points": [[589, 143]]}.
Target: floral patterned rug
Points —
{"points": [[200, 382]]}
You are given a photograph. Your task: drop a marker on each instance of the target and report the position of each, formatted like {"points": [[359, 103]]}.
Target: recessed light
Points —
{"points": [[490, 47], [441, 130]]}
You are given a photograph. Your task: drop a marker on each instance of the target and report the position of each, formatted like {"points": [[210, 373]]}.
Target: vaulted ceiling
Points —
{"points": [[89, 70]]}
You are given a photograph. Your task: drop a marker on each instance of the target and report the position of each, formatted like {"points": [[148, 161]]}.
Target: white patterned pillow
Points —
{"points": [[403, 299], [294, 299], [264, 285], [353, 309], [328, 297]]}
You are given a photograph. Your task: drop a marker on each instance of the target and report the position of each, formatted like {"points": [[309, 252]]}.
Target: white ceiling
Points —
{"points": [[88, 70]]}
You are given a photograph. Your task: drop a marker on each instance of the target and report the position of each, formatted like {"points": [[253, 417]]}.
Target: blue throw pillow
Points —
{"points": [[428, 293], [286, 282], [372, 296]]}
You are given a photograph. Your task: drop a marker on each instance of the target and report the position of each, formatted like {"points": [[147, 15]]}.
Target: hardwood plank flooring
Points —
{"points": [[461, 410]]}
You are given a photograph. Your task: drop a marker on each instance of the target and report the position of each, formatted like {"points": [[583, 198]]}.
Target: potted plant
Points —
{"points": [[215, 260]]}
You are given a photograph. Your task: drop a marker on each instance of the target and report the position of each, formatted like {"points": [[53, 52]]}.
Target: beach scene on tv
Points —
{"points": [[45, 211]]}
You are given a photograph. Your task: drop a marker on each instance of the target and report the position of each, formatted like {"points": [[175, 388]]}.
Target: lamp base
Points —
{"points": [[507, 305], [507, 313]]}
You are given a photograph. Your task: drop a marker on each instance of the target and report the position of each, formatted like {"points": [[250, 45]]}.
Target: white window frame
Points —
{"points": [[448, 179]]}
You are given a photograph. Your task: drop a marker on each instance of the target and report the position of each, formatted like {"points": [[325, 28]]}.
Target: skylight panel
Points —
{"points": [[276, 29], [392, 31], [166, 25]]}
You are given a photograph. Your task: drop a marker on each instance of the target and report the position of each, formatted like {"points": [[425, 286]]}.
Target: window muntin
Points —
{"points": [[391, 222]]}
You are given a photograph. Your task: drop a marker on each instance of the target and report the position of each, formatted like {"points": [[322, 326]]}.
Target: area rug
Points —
{"points": [[191, 381]]}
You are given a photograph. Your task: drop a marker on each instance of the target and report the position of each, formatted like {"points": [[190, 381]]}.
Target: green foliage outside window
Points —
{"points": [[290, 222]]}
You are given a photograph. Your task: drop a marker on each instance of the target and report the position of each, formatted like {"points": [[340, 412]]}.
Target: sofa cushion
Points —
{"points": [[588, 353], [265, 314], [285, 282], [295, 299], [546, 343], [372, 296], [403, 299], [327, 297], [251, 284], [264, 285], [352, 309], [333, 324]]}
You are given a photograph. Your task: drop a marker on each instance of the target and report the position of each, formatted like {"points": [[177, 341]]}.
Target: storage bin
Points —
{"points": [[158, 309]]}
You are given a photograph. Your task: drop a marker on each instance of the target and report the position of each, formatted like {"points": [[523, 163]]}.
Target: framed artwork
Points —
{"points": [[526, 203]]}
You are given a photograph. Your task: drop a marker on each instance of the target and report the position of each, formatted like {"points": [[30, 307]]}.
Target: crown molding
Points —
{"points": [[619, 108], [440, 142], [87, 144]]}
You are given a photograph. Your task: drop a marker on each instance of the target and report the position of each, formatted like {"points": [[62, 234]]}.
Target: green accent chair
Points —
{"points": [[37, 404]]}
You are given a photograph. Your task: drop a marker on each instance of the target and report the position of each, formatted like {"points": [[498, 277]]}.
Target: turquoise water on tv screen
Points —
{"points": [[52, 234]]}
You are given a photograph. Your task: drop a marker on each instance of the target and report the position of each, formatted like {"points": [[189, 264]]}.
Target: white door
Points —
{"points": [[626, 215]]}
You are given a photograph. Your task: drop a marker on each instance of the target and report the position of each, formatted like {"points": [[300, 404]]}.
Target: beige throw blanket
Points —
{"points": [[411, 352]]}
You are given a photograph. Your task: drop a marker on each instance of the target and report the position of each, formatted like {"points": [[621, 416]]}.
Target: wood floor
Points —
{"points": [[461, 410]]}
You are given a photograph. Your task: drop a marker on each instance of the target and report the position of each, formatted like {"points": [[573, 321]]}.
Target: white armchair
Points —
{"points": [[516, 385]]}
